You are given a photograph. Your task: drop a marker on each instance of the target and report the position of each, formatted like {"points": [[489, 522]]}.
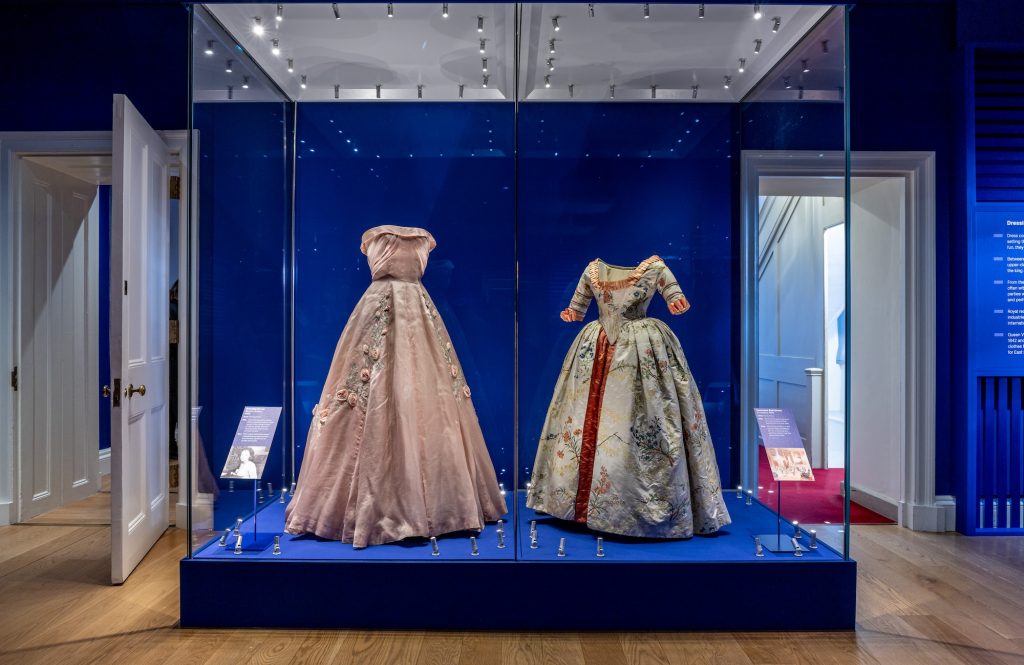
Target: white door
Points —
{"points": [[139, 313], [58, 399]]}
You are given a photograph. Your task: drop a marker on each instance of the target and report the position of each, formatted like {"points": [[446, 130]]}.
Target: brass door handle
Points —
{"points": [[106, 391], [131, 390]]}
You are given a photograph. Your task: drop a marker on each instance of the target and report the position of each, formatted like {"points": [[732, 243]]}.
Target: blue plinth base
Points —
{"points": [[700, 584]]}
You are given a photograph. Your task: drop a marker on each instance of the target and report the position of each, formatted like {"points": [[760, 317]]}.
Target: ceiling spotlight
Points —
{"points": [[554, 23], [654, 92], [551, 64], [757, 46], [572, 90], [484, 63], [337, 11], [590, 9], [693, 91], [547, 80], [231, 92], [743, 65], [245, 83], [229, 66], [726, 81], [337, 91], [757, 11], [800, 92], [486, 80], [611, 91], [786, 82], [419, 91], [647, 10], [444, 10], [479, 23], [483, 46], [378, 86], [279, 14], [275, 46], [257, 26], [551, 47], [391, 10], [824, 46], [209, 48], [291, 66], [462, 89], [804, 67], [776, 24], [700, 10], [302, 82]]}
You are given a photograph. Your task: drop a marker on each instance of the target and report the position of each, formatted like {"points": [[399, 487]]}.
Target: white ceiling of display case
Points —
{"points": [[662, 56]]}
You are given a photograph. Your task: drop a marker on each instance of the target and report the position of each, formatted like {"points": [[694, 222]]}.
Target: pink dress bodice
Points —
{"points": [[397, 252]]}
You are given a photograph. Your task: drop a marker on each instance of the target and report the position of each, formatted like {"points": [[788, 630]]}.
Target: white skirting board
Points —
{"points": [[103, 468]]}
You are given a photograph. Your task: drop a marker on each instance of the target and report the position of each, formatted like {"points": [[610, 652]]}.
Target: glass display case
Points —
{"points": [[478, 287]]}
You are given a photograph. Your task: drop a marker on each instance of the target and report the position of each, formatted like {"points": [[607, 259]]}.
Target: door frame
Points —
{"points": [[918, 507], [12, 146]]}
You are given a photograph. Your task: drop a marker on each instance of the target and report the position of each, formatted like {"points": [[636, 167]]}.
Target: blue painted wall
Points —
{"points": [[446, 167], [244, 211]]}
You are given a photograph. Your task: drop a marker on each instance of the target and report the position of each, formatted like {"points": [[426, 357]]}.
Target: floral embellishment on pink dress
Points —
{"points": [[342, 394], [364, 375], [465, 391], [352, 399], [455, 371], [323, 415], [366, 349], [375, 354]]}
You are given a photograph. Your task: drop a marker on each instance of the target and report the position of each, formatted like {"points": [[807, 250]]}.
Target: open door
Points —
{"points": [[138, 338]]}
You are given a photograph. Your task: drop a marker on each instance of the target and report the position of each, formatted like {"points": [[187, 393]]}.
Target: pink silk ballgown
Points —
{"points": [[394, 450]]}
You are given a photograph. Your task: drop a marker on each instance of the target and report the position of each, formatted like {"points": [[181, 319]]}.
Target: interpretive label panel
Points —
{"points": [[998, 288], [251, 446], [778, 428]]}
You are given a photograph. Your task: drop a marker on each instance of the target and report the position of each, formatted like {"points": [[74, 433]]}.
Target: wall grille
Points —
{"points": [[1000, 449], [999, 125]]}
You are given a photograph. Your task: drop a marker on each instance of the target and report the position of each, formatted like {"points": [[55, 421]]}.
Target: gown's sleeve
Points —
{"points": [[581, 297], [668, 286]]}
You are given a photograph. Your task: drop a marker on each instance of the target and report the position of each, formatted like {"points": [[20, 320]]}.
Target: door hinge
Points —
{"points": [[175, 187], [14, 378], [126, 287]]}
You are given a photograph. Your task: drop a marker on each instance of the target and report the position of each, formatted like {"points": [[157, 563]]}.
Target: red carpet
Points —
{"points": [[813, 503]]}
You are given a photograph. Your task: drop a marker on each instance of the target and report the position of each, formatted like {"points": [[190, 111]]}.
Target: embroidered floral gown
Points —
{"points": [[394, 449], [625, 447]]}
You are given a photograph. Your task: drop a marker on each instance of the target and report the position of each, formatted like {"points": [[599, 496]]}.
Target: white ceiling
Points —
{"points": [[674, 49]]}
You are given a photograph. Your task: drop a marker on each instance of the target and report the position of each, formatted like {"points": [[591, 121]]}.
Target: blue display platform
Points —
{"points": [[706, 583]]}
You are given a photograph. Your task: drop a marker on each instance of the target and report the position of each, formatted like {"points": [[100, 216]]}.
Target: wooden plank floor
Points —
{"points": [[924, 599]]}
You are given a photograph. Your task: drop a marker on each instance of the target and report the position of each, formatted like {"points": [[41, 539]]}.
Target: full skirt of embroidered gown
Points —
{"points": [[625, 447], [394, 449]]}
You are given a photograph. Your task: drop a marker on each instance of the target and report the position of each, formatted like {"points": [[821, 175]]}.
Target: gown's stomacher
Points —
{"points": [[395, 449], [625, 447]]}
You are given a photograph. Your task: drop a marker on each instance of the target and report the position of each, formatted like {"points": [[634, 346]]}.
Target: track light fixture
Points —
{"points": [[483, 62], [291, 66], [487, 79], [444, 10], [419, 91], [462, 89], [209, 48], [654, 92], [647, 10], [804, 66], [337, 11], [337, 91], [757, 11], [551, 46], [275, 47], [743, 65], [547, 80], [229, 66], [824, 46], [231, 92], [611, 91], [479, 23], [551, 64], [700, 10], [302, 82], [245, 83], [279, 14], [693, 91], [257, 26], [776, 24], [786, 82], [391, 10], [483, 46], [757, 46], [800, 92], [572, 90], [378, 86], [590, 9], [554, 23], [726, 82]]}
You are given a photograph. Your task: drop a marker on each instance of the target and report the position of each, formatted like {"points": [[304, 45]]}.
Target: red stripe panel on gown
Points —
{"points": [[588, 448]]}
